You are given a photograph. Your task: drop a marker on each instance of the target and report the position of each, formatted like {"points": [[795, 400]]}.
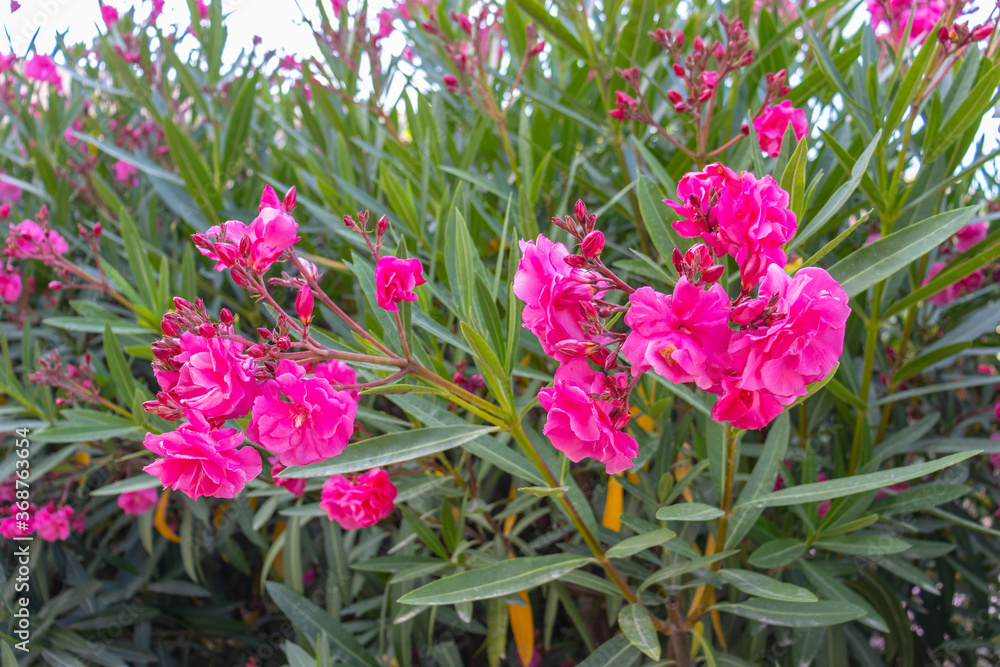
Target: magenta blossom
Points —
{"points": [[231, 233], [771, 125], [110, 15], [971, 235], [338, 374], [257, 245], [137, 502], [10, 285], [28, 240], [395, 279], [684, 337], [925, 14], [7, 61], [302, 420], [294, 486], [215, 377], [43, 69], [199, 461], [52, 523], [744, 408], [126, 174], [271, 233], [587, 412], [11, 527], [970, 283], [358, 502], [557, 299], [9, 192]]}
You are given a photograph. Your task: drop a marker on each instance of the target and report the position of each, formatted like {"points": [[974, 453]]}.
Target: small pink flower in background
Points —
{"points": [[110, 15], [31, 242], [926, 14], [996, 411], [872, 238], [338, 374], [684, 337], [709, 78], [556, 297], [4, 211], [295, 486], [971, 235], [395, 279], [14, 6], [126, 174], [409, 55], [202, 10], [199, 461], [156, 10], [8, 191], [337, 6], [43, 69], [450, 81], [970, 283], [824, 507], [11, 527], [384, 25], [137, 502], [902, 486], [10, 285], [52, 523], [358, 502], [316, 424], [214, 377], [581, 426], [7, 61], [771, 125]]}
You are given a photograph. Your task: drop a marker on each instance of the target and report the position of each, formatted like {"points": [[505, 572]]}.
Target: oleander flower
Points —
{"points": [[771, 125], [395, 279], [294, 486], [971, 235], [110, 16], [225, 254], [744, 408], [338, 374], [557, 298], [583, 426], [7, 61], [215, 377], [302, 420], [126, 174], [200, 461], [29, 241], [52, 523], [43, 69], [10, 285], [925, 13], [271, 233], [9, 192], [684, 336], [137, 502], [12, 527], [358, 502]]}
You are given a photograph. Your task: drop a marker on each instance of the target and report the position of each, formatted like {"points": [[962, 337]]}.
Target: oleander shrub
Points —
{"points": [[541, 333]]}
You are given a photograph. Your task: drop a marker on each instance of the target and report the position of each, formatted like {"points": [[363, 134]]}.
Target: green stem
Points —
{"points": [[866, 376]]}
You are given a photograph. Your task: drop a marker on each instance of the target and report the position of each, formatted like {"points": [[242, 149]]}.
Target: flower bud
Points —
{"points": [[593, 244], [226, 316], [170, 328], [674, 96], [268, 199], [576, 261], [55, 285], [451, 81], [678, 260], [382, 225], [264, 333], [577, 348], [289, 200], [680, 107], [617, 114], [712, 274], [580, 210], [98, 229], [679, 69], [536, 49], [284, 343], [304, 304], [206, 331], [699, 43], [257, 351], [181, 304], [679, 39]]}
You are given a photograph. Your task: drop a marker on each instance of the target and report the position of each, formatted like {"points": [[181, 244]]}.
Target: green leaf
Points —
{"points": [[424, 532], [762, 586], [761, 480], [824, 60], [121, 375], [504, 578], [688, 512], [637, 543], [652, 209], [832, 588], [312, 622], [7, 658], [793, 180], [794, 614], [914, 366], [977, 103], [863, 545], [920, 498], [95, 325], [638, 628], [542, 491], [459, 262], [837, 488], [239, 122], [390, 448], [555, 26], [616, 652], [87, 433], [684, 567], [137, 482], [777, 553], [138, 260], [879, 260], [904, 95]]}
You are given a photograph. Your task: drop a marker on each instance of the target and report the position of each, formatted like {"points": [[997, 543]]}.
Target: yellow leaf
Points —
{"points": [[82, 458], [508, 523], [160, 518], [717, 622], [220, 513], [613, 505], [279, 562], [523, 625], [681, 469]]}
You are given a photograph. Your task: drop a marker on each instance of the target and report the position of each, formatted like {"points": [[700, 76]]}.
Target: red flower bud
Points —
{"points": [[678, 258], [680, 107], [580, 210], [712, 274], [206, 331], [674, 96], [284, 343], [679, 39], [55, 285], [98, 229], [699, 43], [226, 316], [593, 244], [257, 351], [617, 114], [181, 304], [678, 69], [382, 225], [304, 304], [576, 261], [264, 333], [289, 200], [451, 81], [577, 348]]}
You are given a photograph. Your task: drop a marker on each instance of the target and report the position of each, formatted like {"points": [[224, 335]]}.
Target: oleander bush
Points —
{"points": [[542, 333]]}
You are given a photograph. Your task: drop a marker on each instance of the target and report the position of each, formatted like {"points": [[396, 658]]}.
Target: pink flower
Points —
{"points": [[872, 238], [796, 340], [709, 78], [971, 235], [215, 377], [31, 242], [157, 9], [302, 420], [384, 26], [771, 125], [926, 14], [358, 502], [8, 191], [970, 283], [744, 408], [43, 68], [582, 426], [294, 486], [7, 61], [11, 527], [556, 296], [683, 337], [225, 253], [257, 245], [199, 461], [271, 233], [52, 524], [110, 16], [137, 502], [395, 279], [126, 174], [338, 374], [824, 507], [10, 285], [202, 10]]}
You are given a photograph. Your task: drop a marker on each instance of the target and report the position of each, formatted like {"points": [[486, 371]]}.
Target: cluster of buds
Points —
{"points": [[696, 69], [360, 226], [959, 36], [616, 391], [626, 106], [777, 87], [76, 381], [698, 265], [753, 313], [470, 383], [582, 226]]}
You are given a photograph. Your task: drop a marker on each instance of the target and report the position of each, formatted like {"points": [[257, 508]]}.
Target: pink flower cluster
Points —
{"points": [[772, 123], [52, 523], [964, 239], [358, 502], [758, 352], [890, 17]]}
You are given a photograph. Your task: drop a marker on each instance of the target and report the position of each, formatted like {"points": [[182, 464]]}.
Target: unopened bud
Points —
{"points": [[451, 81], [289, 200], [679, 69], [55, 285], [304, 304], [680, 107], [382, 225], [712, 274], [98, 229], [576, 261], [593, 244], [257, 351], [580, 210], [206, 331], [747, 311], [268, 199], [699, 43], [576, 348], [674, 96], [284, 343], [679, 39], [678, 259], [264, 333], [181, 304], [226, 316]]}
